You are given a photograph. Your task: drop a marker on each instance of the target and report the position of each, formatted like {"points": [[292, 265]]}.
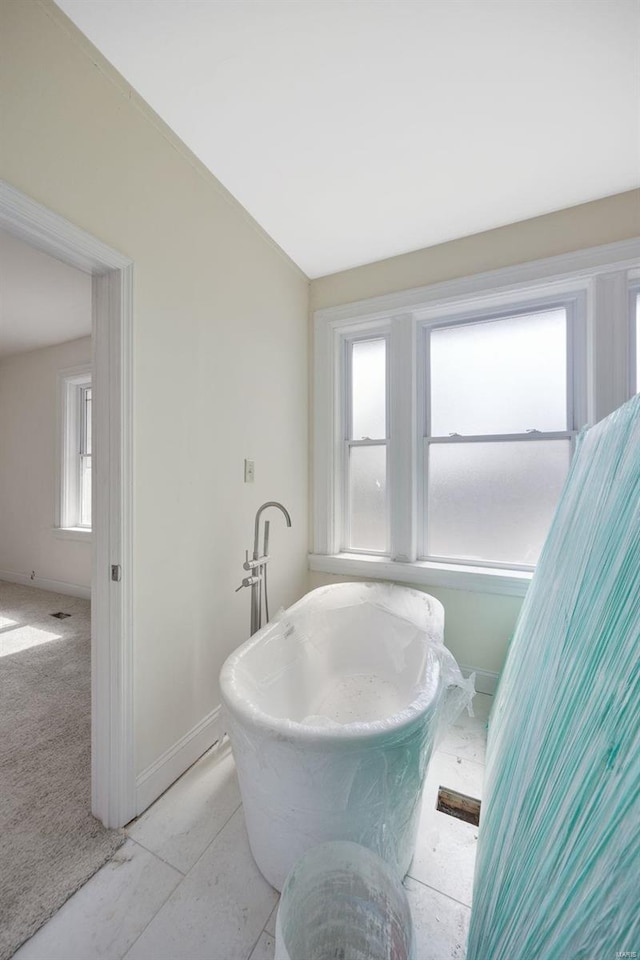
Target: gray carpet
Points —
{"points": [[50, 844]]}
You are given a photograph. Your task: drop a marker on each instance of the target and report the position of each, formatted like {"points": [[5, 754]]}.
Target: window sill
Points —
{"points": [[72, 533], [509, 583]]}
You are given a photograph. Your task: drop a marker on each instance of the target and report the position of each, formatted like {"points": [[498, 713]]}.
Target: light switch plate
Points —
{"points": [[249, 471]]}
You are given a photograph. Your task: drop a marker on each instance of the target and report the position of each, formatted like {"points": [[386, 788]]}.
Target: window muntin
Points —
{"points": [[498, 394], [366, 520]]}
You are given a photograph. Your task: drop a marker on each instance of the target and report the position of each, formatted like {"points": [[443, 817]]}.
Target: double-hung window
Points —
{"points": [[445, 417], [366, 421], [498, 415], [75, 444]]}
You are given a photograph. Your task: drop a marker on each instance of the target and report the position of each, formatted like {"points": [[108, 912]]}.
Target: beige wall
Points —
{"points": [[478, 626], [220, 366], [587, 225], [28, 463]]}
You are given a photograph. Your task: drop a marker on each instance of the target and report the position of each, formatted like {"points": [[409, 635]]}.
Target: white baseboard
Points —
{"points": [[172, 764], [486, 681], [55, 586]]}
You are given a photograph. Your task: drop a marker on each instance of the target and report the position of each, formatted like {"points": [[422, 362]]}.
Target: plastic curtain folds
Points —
{"points": [[558, 866]]}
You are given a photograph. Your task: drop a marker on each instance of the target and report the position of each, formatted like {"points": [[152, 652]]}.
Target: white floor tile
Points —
{"points": [[445, 855], [446, 847], [440, 925], [264, 948], [103, 919], [467, 737], [270, 925], [482, 704], [183, 822], [465, 776], [219, 909]]}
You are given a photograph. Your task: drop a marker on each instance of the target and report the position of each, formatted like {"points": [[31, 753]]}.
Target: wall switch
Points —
{"points": [[249, 471]]}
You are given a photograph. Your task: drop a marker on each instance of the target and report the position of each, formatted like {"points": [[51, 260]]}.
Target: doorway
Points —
{"points": [[112, 734]]}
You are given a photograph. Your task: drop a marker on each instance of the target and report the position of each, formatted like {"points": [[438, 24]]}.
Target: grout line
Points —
{"points": [[151, 919], [264, 929], [157, 855], [428, 886], [248, 956], [213, 839]]}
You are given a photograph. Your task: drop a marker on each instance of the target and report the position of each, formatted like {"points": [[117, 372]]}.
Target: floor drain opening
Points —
{"points": [[458, 805], [60, 615]]}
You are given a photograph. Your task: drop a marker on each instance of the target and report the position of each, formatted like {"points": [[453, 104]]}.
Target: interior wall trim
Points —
{"points": [[42, 583], [164, 771]]}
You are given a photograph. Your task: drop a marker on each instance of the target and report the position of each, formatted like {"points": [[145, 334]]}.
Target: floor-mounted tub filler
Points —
{"points": [[332, 712]]}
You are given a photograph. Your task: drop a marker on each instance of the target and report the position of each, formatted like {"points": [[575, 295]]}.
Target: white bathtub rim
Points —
{"points": [[403, 722]]}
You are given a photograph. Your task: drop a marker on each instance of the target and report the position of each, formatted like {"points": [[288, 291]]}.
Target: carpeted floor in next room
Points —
{"points": [[49, 842]]}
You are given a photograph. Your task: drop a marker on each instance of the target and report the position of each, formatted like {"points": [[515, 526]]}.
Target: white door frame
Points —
{"points": [[112, 722]]}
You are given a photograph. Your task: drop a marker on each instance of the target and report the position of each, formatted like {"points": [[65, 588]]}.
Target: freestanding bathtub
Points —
{"points": [[332, 711]]}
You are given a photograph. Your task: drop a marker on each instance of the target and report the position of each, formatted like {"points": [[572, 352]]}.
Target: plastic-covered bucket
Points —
{"points": [[341, 900]]}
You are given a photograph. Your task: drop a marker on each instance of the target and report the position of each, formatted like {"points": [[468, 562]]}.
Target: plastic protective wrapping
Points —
{"points": [[558, 865], [342, 900], [332, 712]]}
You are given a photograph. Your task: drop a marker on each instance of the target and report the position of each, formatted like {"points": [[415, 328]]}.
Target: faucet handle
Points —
{"points": [[247, 582]]}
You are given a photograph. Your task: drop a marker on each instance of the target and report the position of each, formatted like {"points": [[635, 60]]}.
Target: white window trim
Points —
{"points": [[596, 280], [634, 292], [67, 477]]}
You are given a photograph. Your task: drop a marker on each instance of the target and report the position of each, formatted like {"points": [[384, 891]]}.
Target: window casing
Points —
{"points": [[634, 328], [75, 444], [597, 343]]}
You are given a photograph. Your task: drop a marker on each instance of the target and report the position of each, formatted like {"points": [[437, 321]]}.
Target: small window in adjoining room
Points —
{"points": [[75, 446]]}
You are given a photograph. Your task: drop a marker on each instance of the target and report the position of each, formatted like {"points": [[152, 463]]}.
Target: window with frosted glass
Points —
{"points": [[85, 458], [366, 447], [499, 436]]}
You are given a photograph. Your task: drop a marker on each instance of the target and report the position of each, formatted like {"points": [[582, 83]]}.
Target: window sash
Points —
{"points": [[424, 555], [346, 544], [572, 304]]}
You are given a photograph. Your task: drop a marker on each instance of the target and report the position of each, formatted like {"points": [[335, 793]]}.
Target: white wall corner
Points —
{"points": [[486, 680], [164, 771]]}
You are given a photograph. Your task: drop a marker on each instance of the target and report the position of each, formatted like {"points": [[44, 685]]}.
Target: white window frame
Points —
{"points": [[71, 386], [593, 284], [574, 305], [634, 293]]}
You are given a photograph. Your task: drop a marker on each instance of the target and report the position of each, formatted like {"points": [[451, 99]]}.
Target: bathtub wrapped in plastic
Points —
{"points": [[333, 711]]}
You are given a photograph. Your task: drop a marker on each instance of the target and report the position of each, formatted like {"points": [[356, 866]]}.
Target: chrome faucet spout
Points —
{"points": [[256, 539]]}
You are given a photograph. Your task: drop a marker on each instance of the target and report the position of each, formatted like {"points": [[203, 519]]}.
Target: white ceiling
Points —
{"points": [[42, 301], [354, 130]]}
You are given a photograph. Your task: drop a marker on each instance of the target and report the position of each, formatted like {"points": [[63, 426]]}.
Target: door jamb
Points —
{"points": [[112, 708]]}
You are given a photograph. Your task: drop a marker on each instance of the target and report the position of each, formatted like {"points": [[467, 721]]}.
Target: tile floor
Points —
{"points": [[184, 885]]}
